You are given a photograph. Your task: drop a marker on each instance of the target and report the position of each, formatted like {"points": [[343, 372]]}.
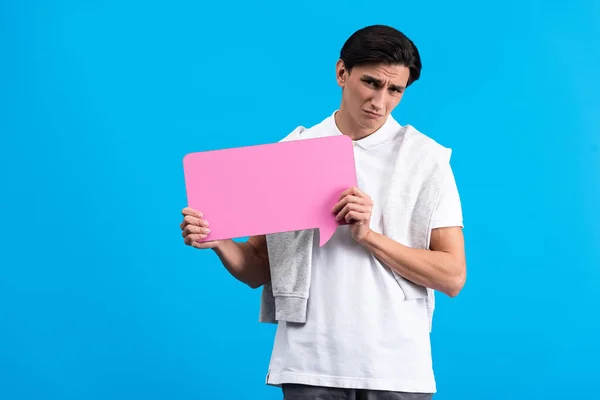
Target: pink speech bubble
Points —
{"points": [[271, 188]]}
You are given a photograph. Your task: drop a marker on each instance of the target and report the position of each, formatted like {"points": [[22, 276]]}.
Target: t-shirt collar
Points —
{"points": [[383, 135]]}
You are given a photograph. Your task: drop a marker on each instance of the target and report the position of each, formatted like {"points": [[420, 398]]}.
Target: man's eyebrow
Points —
{"points": [[379, 82], [372, 78]]}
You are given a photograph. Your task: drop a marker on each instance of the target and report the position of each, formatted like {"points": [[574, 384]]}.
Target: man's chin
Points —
{"points": [[372, 124]]}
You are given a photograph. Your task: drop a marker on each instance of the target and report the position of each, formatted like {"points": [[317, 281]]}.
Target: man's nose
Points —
{"points": [[378, 100]]}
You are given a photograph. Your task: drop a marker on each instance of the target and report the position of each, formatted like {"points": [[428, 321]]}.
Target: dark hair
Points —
{"points": [[381, 44]]}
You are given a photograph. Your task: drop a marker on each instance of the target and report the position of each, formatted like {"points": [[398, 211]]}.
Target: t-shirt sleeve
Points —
{"points": [[448, 211]]}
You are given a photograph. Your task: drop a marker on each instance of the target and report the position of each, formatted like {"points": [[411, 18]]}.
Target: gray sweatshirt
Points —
{"points": [[407, 217]]}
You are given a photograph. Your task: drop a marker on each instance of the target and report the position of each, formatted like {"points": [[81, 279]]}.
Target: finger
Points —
{"points": [[190, 211], [198, 245], [351, 207], [199, 239], [355, 216], [353, 190], [348, 199], [346, 192], [356, 192], [187, 220], [193, 229], [193, 238], [347, 208], [203, 245], [361, 194]]}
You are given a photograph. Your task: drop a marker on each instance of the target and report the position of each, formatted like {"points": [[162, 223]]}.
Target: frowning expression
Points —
{"points": [[371, 92]]}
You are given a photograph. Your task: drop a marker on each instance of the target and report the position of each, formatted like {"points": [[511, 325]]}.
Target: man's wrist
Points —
{"points": [[220, 246], [368, 238]]}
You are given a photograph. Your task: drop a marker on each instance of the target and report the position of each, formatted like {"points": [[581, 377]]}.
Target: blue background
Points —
{"points": [[100, 101]]}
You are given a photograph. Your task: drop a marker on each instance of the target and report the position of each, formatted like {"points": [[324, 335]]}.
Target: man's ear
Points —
{"points": [[341, 73]]}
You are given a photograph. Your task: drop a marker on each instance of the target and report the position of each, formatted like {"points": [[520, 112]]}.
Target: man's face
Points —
{"points": [[370, 93]]}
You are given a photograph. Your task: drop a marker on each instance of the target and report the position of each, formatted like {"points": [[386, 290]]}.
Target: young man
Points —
{"points": [[365, 311]]}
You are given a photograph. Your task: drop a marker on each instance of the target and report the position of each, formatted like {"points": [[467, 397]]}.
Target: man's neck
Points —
{"points": [[349, 128]]}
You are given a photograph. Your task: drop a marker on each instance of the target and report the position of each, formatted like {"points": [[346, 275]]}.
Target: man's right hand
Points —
{"points": [[194, 228], [247, 261]]}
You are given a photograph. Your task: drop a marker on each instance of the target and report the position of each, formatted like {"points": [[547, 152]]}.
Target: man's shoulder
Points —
{"points": [[414, 134], [303, 132], [295, 134], [423, 143]]}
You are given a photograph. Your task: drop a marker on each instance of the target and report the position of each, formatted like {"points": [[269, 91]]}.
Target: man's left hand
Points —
{"points": [[355, 206]]}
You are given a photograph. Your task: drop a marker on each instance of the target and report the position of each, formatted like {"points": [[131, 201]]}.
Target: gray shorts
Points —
{"points": [[305, 392]]}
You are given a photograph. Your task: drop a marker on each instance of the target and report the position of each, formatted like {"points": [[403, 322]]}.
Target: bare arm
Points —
{"points": [[442, 268], [248, 261]]}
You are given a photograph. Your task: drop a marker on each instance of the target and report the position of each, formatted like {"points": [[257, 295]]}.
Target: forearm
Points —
{"points": [[244, 262], [437, 270]]}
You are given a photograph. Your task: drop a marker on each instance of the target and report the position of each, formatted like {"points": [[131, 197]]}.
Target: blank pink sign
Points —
{"points": [[271, 188]]}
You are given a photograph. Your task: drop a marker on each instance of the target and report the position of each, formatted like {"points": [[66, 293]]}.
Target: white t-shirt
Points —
{"points": [[360, 332]]}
